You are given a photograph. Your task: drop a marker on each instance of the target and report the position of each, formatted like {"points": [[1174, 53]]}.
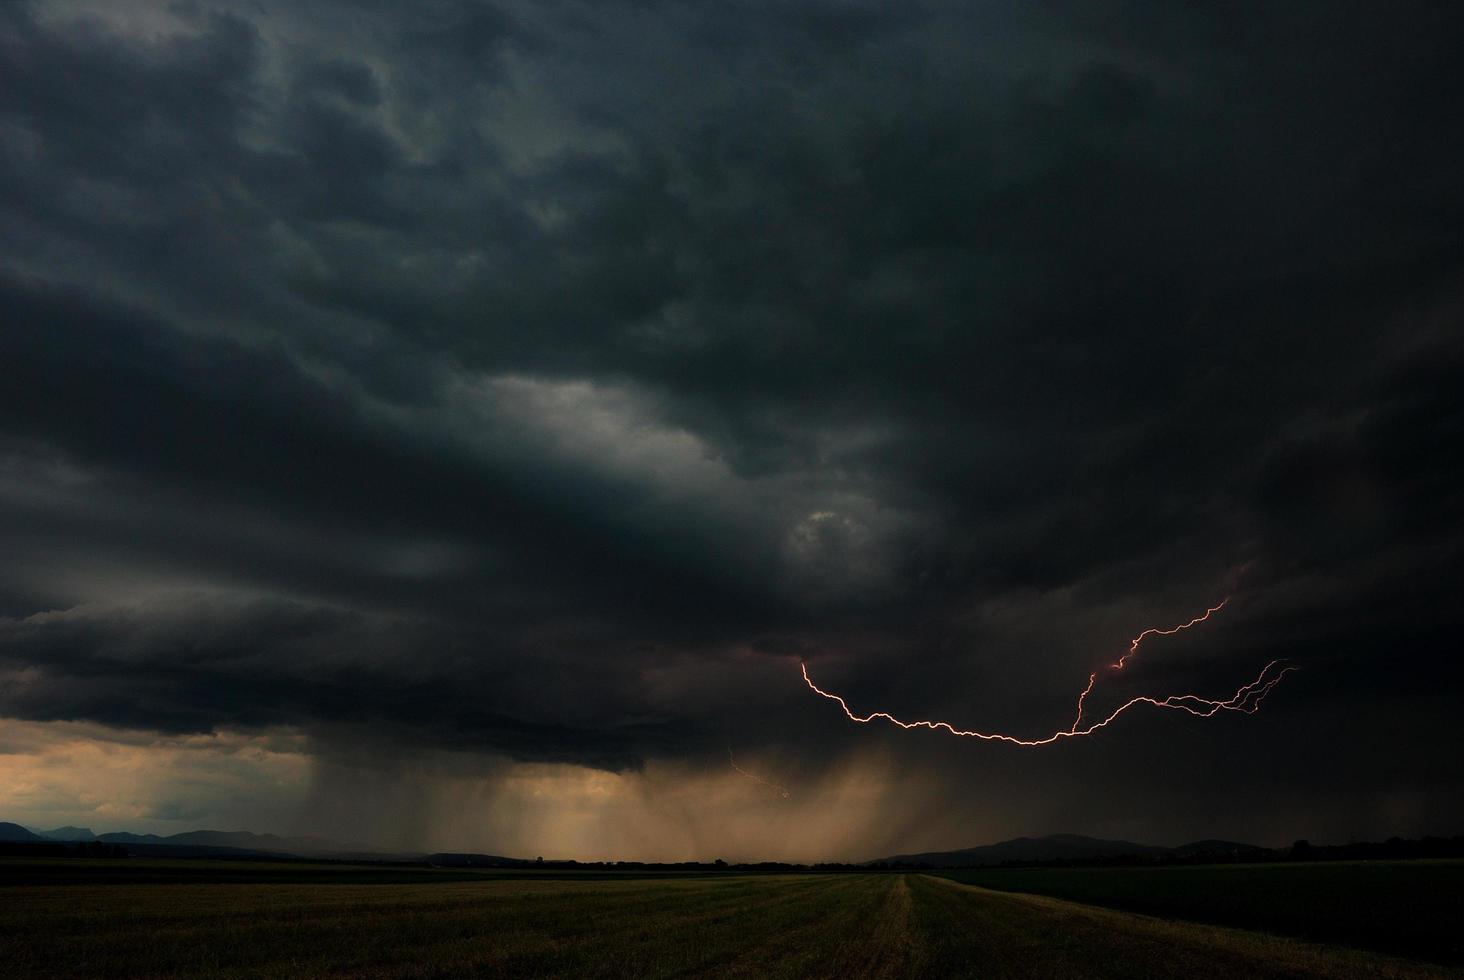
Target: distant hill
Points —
{"points": [[454, 860], [1215, 848], [205, 851], [68, 834], [1061, 847], [242, 840], [198, 843], [10, 832]]}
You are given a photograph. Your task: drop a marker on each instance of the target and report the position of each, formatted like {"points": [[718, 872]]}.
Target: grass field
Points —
{"points": [[793, 926], [1406, 907]]}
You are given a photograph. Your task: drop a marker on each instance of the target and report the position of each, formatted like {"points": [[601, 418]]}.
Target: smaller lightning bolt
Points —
{"points": [[780, 790], [1134, 643], [1092, 679], [1134, 648]]}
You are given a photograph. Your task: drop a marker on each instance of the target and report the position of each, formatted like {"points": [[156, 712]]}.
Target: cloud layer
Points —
{"points": [[541, 381]]}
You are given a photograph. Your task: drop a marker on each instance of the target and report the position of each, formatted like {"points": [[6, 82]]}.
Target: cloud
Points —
{"points": [[193, 664], [541, 380], [105, 778]]}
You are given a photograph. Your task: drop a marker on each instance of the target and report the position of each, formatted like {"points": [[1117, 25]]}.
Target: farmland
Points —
{"points": [[159, 920], [1389, 906]]}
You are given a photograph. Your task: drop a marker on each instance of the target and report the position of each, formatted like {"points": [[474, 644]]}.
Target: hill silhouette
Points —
{"points": [[68, 834], [15, 832], [240, 840], [1062, 847]]}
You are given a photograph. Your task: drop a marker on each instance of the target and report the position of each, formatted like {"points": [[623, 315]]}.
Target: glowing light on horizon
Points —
{"points": [[1246, 700], [782, 791]]}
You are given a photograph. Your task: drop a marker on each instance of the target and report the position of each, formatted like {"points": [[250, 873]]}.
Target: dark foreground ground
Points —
{"points": [[158, 921], [1413, 908]]}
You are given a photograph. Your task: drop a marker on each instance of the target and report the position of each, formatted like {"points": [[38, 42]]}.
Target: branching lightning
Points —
{"points": [[1134, 649], [780, 790], [1246, 700], [1134, 643]]}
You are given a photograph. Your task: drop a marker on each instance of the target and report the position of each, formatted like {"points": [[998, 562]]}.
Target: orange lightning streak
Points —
{"points": [[1247, 700], [1134, 648], [1134, 643], [782, 791], [1092, 679]]}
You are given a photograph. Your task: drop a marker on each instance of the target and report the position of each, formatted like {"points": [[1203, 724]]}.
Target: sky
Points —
{"points": [[451, 425]]}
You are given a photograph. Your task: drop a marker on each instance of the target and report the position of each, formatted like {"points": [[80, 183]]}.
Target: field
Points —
{"points": [[190, 919], [1406, 907]]}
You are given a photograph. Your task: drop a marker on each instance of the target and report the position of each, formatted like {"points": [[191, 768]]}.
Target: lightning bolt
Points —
{"points": [[1247, 699], [781, 790], [1092, 679], [1134, 643], [1134, 648]]}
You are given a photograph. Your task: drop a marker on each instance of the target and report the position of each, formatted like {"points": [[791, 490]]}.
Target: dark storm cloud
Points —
{"points": [[194, 663], [618, 336], [213, 421]]}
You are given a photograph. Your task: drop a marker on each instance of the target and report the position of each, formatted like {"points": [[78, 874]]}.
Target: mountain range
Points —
{"points": [[199, 842], [239, 839], [242, 843], [1064, 847]]}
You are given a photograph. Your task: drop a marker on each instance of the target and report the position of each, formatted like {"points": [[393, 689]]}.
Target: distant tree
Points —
{"points": [[720, 863], [1301, 850]]}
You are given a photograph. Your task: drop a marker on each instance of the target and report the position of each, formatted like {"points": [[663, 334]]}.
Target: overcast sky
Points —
{"points": [[450, 424]]}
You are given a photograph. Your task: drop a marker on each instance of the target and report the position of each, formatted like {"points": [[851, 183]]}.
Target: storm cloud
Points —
{"points": [[541, 382]]}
